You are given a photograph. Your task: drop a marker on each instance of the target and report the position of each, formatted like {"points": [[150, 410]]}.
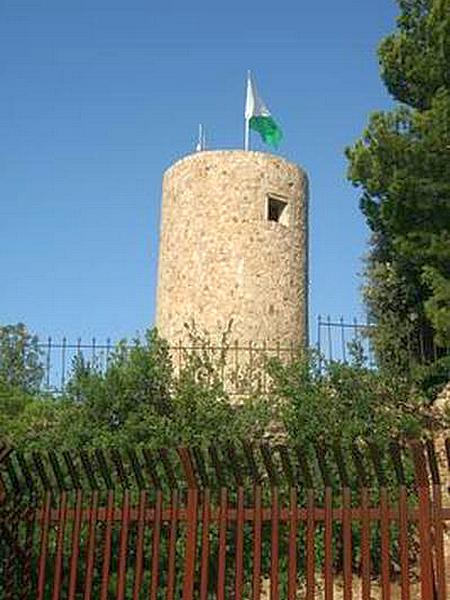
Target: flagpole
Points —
{"points": [[246, 118], [201, 139]]}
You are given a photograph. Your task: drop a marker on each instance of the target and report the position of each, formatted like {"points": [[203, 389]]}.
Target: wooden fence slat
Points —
{"points": [[274, 549], [426, 565], [328, 545], [89, 470], [91, 546], [57, 471], [395, 452], [107, 546], [438, 529], [347, 542], [191, 544], [139, 559], [240, 523], [168, 467], [438, 542], [257, 542], [204, 557], [9, 560], [251, 463], [156, 540], [365, 544], [76, 529], [188, 466], [292, 550], [12, 475], [72, 469], [40, 469], [43, 549], [172, 550], [425, 559], [362, 472], [150, 467], [123, 546], [25, 471], [137, 468], [385, 544], [310, 558], [221, 563], [27, 571], [59, 556], [403, 541]]}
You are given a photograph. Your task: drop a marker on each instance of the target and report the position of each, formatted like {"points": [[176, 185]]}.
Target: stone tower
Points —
{"points": [[233, 248]]}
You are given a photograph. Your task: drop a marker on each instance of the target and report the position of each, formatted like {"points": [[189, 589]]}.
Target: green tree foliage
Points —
{"points": [[415, 59], [138, 400], [20, 364], [402, 165], [334, 402]]}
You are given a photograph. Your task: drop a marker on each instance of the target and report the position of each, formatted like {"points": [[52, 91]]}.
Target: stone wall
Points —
{"points": [[221, 258]]}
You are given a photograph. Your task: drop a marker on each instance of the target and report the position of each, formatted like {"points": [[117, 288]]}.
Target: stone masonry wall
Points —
{"points": [[222, 260]]}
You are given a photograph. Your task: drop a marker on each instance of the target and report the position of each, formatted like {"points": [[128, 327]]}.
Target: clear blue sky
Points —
{"points": [[99, 97]]}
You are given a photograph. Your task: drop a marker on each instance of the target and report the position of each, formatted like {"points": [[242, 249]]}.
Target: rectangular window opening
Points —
{"points": [[276, 210]]}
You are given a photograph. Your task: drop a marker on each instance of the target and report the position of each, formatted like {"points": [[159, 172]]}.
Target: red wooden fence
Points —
{"points": [[227, 523]]}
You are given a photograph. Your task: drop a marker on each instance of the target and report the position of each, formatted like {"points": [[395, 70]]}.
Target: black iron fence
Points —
{"points": [[242, 367], [333, 341], [59, 357], [337, 337]]}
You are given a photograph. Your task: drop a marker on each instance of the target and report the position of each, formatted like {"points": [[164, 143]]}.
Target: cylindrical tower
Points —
{"points": [[233, 248]]}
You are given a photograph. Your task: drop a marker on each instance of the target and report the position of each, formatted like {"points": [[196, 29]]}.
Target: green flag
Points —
{"points": [[259, 118]]}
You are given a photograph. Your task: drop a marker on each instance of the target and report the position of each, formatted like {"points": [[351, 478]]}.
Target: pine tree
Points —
{"points": [[402, 165]]}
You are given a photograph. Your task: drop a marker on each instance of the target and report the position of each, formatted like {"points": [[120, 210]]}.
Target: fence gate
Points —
{"points": [[241, 522]]}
